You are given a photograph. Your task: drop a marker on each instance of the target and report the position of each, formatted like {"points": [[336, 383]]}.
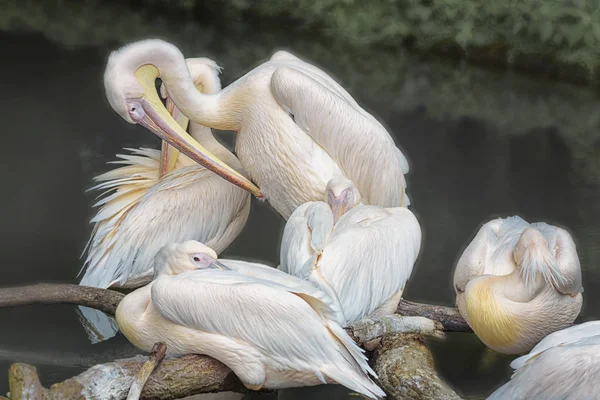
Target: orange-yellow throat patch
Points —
{"points": [[496, 327]]}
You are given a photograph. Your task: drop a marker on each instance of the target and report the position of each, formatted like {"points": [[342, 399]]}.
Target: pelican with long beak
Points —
{"points": [[518, 282], [272, 329], [297, 128], [161, 198], [129, 81], [157, 198]]}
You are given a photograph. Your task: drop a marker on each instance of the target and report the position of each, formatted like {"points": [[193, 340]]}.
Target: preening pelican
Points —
{"points": [[272, 329], [518, 282], [360, 256], [297, 127], [565, 365], [145, 211]]}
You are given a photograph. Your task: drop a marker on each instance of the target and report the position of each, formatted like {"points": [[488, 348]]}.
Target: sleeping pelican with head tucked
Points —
{"points": [[360, 255], [518, 282]]}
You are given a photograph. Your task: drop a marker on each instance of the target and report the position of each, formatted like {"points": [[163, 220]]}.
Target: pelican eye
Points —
{"points": [[197, 259], [135, 110]]}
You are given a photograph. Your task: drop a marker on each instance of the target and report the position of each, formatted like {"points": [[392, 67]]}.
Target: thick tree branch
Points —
{"points": [[107, 301], [173, 379], [369, 329], [60, 293], [156, 356], [449, 317], [405, 368]]}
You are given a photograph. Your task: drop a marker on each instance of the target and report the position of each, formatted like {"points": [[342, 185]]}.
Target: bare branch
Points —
{"points": [[173, 379], [405, 368], [403, 364], [61, 293], [449, 317], [369, 329], [108, 300], [156, 356]]}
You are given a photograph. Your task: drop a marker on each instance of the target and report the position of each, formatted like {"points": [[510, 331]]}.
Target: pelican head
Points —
{"points": [[129, 81], [531, 238], [176, 258], [532, 255], [342, 195]]}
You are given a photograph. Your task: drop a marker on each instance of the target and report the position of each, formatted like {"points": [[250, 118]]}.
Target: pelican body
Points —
{"points": [[518, 282], [156, 199], [272, 329], [360, 256], [565, 365], [297, 127]]}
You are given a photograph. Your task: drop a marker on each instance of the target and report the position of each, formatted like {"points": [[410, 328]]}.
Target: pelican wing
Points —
{"points": [[311, 294], [490, 251], [566, 364], [563, 337], [123, 189], [129, 231], [354, 139], [306, 233], [564, 250], [264, 313], [474, 258], [369, 257], [320, 76]]}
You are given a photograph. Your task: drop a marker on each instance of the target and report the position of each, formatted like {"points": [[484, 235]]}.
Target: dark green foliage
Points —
{"points": [[559, 36], [565, 30]]}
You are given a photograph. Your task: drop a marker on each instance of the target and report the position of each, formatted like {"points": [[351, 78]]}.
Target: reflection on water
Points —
{"points": [[59, 132]]}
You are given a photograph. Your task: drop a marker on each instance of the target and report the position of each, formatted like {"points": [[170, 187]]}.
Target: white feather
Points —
{"points": [[563, 337], [272, 329], [297, 128], [141, 212], [365, 259], [565, 365], [181, 206]]}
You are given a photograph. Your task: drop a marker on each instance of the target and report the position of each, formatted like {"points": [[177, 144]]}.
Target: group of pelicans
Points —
{"points": [[349, 244]]}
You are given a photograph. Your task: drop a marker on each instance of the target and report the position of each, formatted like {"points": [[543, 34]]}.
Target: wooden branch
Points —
{"points": [[404, 373], [107, 301], [405, 368], [156, 356], [60, 293], [369, 329], [173, 379], [449, 317]]}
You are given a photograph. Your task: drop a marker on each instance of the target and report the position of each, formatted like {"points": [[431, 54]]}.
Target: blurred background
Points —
{"points": [[494, 104]]}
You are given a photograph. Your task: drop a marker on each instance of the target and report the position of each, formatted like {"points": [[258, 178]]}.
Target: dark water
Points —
{"points": [[58, 133]]}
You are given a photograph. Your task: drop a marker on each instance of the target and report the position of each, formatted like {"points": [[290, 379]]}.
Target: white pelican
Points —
{"points": [[565, 365], [360, 256], [159, 197], [146, 211], [297, 127], [272, 329], [518, 282]]}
